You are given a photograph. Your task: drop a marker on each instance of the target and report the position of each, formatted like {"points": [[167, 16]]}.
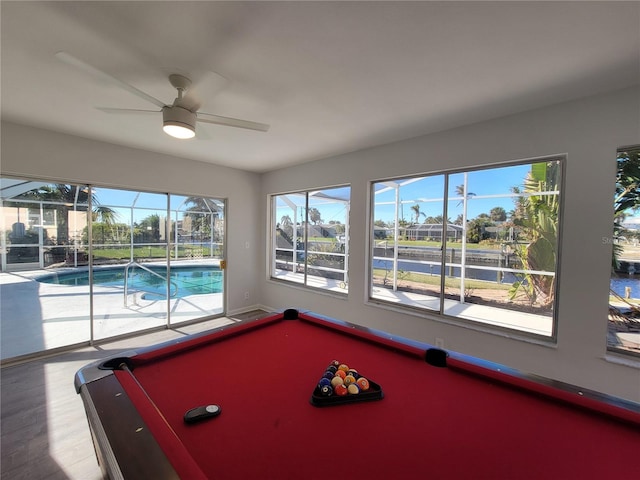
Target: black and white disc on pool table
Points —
{"points": [[340, 384]]}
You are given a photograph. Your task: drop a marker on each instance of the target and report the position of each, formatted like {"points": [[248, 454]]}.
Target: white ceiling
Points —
{"points": [[329, 77]]}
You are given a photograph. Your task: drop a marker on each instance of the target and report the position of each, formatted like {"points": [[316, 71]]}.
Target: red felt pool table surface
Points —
{"points": [[431, 422]]}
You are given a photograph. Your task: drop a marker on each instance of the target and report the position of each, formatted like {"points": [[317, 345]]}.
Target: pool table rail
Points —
{"points": [[609, 405]]}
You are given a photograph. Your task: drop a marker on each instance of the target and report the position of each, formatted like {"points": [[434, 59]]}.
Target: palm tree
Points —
{"points": [[60, 196], [203, 213], [286, 221], [108, 218], [417, 212], [286, 228], [67, 198], [460, 193], [627, 197], [537, 215], [476, 228], [149, 228], [498, 214], [315, 216]]}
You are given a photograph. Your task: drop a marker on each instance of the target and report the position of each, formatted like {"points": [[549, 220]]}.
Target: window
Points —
{"points": [[310, 238], [624, 296], [479, 245]]}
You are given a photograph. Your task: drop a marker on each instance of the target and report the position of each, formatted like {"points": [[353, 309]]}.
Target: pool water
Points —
{"points": [[185, 280], [633, 282]]}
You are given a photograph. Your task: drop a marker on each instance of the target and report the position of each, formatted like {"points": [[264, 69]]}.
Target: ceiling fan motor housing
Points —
{"points": [[178, 116]]}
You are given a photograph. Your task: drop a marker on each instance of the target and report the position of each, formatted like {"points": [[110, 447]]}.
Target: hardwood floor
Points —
{"points": [[44, 428]]}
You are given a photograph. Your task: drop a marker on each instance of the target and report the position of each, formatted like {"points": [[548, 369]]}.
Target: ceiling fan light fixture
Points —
{"points": [[178, 131], [178, 122]]}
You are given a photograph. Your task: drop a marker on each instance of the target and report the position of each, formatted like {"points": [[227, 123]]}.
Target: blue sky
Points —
{"points": [[491, 188], [145, 203]]}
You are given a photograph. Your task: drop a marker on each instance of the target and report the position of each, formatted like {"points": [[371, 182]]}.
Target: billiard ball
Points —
{"points": [[332, 368], [353, 389], [335, 381], [363, 383], [335, 363], [340, 390], [341, 374], [323, 382], [326, 391], [328, 375], [353, 373], [349, 379], [343, 367]]}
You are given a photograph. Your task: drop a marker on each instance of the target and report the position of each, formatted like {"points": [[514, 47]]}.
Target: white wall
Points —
{"points": [[48, 155], [589, 132]]}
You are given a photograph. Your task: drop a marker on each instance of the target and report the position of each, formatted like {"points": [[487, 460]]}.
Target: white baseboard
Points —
{"points": [[240, 311]]}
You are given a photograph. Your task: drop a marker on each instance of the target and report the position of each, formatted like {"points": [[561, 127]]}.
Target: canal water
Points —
{"points": [[473, 273], [618, 285]]}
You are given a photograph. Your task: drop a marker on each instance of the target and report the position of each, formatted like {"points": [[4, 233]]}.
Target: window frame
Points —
{"points": [[338, 286], [616, 320]]}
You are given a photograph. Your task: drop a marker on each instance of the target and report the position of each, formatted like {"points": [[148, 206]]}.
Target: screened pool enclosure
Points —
{"points": [[82, 263]]}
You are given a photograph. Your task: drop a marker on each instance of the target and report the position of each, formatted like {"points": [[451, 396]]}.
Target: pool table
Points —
{"points": [[432, 414]]}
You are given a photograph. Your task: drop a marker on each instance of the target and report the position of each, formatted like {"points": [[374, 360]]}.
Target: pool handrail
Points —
{"points": [[126, 280]]}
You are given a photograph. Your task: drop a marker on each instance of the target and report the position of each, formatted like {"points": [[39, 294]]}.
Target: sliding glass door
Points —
{"points": [[42, 233], [129, 261], [196, 249], [82, 263]]}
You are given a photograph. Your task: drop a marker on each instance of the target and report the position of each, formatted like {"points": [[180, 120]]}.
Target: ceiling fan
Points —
{"points": [[179, 118]]}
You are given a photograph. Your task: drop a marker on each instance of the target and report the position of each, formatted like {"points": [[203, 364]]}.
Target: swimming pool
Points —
{"points": [[618, 285], [185, 280]]}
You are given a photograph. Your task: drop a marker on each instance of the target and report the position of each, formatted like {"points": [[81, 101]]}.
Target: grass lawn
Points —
{"points": [[160, 252]]}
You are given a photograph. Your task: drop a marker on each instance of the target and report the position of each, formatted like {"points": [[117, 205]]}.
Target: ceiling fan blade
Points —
{"points": [[84, 66], [190, 102], [231, 122], [203, 88], [126, 110], [202, 134]]}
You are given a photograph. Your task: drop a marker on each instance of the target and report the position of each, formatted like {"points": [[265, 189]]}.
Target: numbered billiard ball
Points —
{"points": [[326, 391], [353, 389], [363, 383], [340, 390]]}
